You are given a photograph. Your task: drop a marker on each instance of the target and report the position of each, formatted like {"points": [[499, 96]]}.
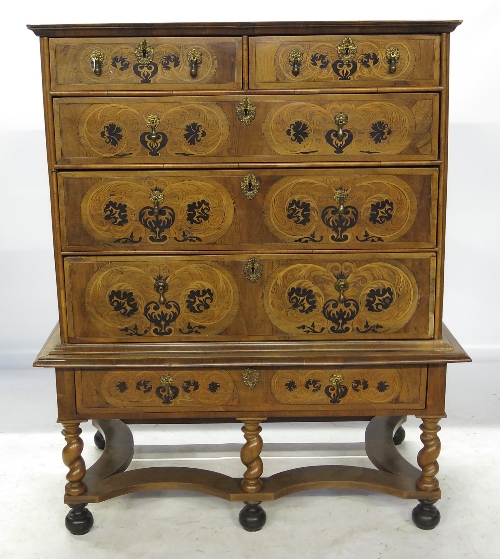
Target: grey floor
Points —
{"points": [[321, 524]]}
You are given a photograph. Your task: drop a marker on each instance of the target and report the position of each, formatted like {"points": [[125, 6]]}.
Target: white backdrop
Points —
{"points": [[472, 295]]}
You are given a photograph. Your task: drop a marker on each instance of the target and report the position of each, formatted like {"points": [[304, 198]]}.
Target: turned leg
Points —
{"points": [[252, 516], [79, 520], [425, 515]]}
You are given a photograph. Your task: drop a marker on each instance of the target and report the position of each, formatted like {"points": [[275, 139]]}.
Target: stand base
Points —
{"points": [[108, 478]]}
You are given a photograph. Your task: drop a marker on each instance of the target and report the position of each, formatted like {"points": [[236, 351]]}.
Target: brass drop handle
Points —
{"points": [[340, 120], [167, 380], [194, 58], [152, 121], [336, 379], [96, 60], [295, 57], [156, 198], [392, 54], [161, 287], [341, 286], [144, 53], [340, 197]]}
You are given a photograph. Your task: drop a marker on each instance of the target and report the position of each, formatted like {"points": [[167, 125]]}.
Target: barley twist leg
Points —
{"points": [[79, 519], [425, 515], [252, 516]]}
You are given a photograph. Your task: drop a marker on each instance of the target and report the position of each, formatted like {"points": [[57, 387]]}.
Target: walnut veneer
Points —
{"points": [[248, 225]]}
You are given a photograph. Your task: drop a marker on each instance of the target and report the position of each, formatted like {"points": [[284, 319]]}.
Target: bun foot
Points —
{"points": [[79, 519], [252, 517], [99, 440], [398, 437], [426, 516]]}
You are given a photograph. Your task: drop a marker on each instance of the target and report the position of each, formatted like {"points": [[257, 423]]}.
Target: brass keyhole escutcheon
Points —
{"points": [[250, 377], [250, 186], [246, 111], [144, 53], [340, 197], [341, 285], [161, 287], [340, 120], [96, 61], [392, 54], [194, 57], [347, 50], [295, 58], [252, 270]]}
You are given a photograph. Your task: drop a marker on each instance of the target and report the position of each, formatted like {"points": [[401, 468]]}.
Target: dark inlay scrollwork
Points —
{"points": [[123, 302]]}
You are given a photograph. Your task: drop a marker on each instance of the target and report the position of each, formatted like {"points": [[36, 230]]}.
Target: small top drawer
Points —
{"points": [[335, 61], [154, 63]]}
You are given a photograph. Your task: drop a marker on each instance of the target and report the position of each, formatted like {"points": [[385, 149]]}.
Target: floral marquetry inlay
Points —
{"points": [[371, 209], [169, 299], [157, 211], [366, 59], [352, 386], [384, 127], [185, 388], [113, 130], [341, 298], [165, 63]]}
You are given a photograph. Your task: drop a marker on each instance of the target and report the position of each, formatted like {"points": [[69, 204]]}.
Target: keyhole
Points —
{"points": [[253, 269], [144, 53], [250, 186]]}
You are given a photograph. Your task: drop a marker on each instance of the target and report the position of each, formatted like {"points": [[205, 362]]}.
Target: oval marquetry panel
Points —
{"points": [[120, 211], [385, 127], [357, 386], [220, 65], [380, 297], [199, 298], [114, 130], [321, 66], [187, 388], [304, 210]]}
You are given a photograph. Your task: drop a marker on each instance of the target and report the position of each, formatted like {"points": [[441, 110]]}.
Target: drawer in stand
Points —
{"points": [[368, 390]]}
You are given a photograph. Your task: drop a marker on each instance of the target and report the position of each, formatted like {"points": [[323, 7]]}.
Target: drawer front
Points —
{"points": [[237, 210], [162, 63], [235, 298], [120, 131], [335, 61], [266, 390]]}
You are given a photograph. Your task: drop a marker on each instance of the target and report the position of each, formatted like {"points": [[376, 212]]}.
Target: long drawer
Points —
{"points": [[358, 390], [235, 129], [236, 210], [168, 63], [236, 297], [336, 61]]}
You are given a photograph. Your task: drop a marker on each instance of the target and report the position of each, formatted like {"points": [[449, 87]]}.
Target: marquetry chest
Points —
{"points": [[248, 225]]}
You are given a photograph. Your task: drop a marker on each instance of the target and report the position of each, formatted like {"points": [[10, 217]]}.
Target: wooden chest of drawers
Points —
{"points": [[248, 225]]}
